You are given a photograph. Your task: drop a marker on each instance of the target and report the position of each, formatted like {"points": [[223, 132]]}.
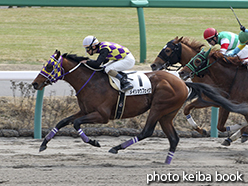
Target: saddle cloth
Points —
{"points": [[141, 84]]}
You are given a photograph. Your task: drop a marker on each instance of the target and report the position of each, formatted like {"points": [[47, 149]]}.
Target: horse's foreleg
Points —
{"points": [[91, 118], [52, 133]]}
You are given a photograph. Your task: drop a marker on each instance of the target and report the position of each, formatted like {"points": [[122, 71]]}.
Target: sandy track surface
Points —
{"points": [[69, 161]]}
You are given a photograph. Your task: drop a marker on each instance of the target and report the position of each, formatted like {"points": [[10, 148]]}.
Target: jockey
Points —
{"points": [[228, 41], [243, 38], [121, 59]]}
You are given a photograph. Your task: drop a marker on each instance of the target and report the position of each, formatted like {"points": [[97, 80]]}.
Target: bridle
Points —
{"points": [[199, 63], [58, 73], [173, 58]]}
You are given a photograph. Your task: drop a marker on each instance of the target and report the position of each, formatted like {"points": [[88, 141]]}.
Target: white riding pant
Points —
{"points": [[243, 54], [124, 64]]}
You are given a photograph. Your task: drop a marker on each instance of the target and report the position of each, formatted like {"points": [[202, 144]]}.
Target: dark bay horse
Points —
{"points": [[97, 100], [228, 73], [181, 50]]}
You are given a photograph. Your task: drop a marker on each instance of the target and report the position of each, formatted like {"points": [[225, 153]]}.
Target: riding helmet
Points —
{"points": [[209, 33], [90, 41], [243, 37]]}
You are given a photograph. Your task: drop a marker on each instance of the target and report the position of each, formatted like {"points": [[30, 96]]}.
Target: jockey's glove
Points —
{"points": [[242, 28], [233, 52]]}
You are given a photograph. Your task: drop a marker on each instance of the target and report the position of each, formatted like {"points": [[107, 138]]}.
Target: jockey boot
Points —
{"points": [[125, 84]]}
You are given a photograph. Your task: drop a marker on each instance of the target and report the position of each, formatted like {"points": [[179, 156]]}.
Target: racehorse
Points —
{"points": [[182, 50], [228, 73], [97, 100]]}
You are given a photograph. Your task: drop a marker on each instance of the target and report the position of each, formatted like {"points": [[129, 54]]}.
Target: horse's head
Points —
{"points": [[168, 56], [196, 66], [51, 72]]}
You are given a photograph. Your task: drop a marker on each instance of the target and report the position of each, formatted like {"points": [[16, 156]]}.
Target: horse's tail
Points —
{"points": [[199, 89]]}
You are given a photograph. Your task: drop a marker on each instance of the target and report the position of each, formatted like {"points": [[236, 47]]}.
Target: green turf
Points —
{"points": [[30, 35]]}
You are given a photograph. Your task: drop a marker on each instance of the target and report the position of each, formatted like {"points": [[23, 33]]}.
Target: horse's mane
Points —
{"points": [[74, 57], [77, 59], [236, 61], [192, 43], [196, 45]]}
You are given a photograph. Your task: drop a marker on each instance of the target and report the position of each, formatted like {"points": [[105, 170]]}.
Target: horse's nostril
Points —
{"points": [[35, 85], [153, 66]]}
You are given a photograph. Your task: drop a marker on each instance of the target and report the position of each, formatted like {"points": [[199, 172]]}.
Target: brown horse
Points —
{"points": [[97, 100], [182, 50], [228, 73]]}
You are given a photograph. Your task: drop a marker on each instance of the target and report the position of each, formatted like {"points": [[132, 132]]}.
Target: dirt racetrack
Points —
{"points": [[69, 161]]}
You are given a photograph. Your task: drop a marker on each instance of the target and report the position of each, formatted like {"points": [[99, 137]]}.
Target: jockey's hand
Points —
{"points": [[230, 54], [83, 61], [242, 28]]}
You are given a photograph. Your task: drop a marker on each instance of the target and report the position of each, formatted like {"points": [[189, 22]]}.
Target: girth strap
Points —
{"points": [[120, 105]]}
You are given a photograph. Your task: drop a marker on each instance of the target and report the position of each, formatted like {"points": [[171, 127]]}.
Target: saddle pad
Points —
{"points": [[141, 84]]}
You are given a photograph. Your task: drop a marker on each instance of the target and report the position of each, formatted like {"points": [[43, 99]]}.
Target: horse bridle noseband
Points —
{"points": [[53, 78], [196, 70], [173, 58]]}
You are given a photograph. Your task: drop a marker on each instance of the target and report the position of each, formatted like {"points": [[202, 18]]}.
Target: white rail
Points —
{"points": [[18, 75]]}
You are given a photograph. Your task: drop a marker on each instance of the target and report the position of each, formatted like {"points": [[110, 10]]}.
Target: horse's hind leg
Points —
{"points": [[236, 127], [146, 132], [244, 131], [169, 130], [52, 133], [195, 104]]}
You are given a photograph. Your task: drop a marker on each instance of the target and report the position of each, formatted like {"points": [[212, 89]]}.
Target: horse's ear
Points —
{"points": [[57, 54], [180, 39], [207, 53], [176, 38]]}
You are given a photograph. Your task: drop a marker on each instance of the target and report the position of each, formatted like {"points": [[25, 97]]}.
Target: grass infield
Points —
{"points": [[30, 35]]}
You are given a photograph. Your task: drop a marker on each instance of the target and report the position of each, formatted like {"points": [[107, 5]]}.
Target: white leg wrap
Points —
{"points": [[236, 135], [236, 127], [191, 121]]}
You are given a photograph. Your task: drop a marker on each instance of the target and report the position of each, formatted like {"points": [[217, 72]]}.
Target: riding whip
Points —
{"points": [[236, 16]]}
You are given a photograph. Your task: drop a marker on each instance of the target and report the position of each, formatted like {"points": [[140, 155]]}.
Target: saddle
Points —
{"points": [[141, 85]]}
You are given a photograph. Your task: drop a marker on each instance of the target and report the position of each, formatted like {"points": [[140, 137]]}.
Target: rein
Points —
{"points": [[85, 83]]}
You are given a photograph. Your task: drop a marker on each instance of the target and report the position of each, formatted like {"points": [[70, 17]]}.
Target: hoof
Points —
{"points": [[201, 131], [113, 151], [227, 142], [244, 137], [204, 132], [94, 143], [42, 148]]}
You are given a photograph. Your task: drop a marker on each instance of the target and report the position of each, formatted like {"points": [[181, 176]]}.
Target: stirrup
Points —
{"points": [[127, 87]]}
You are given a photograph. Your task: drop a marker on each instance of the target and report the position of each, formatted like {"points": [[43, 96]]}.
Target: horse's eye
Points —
{"points": [[49, 68], [167, 50], [197, 61]]}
